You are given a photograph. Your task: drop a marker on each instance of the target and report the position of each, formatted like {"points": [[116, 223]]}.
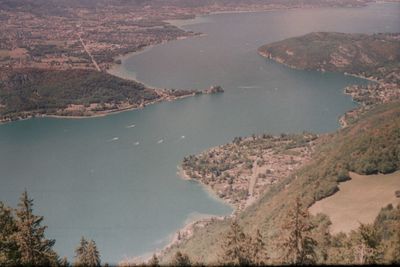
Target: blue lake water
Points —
{"points": [[117, 184]]}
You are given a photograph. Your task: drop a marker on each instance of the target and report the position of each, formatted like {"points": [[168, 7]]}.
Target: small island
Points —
{"points": [[215, 89]]}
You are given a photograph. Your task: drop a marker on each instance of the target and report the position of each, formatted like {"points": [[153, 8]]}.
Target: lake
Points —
{"points": [[114, 179]]}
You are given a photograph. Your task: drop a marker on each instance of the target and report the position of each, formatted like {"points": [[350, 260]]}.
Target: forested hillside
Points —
{"points": [[376, 56], [27, 92]]}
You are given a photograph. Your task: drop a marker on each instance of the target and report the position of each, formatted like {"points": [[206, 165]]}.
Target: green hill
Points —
{"points": [[375, 56], [27, 93]]}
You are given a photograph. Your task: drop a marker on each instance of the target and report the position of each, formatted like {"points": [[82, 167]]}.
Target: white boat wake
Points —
{"points": [[249, 87]]}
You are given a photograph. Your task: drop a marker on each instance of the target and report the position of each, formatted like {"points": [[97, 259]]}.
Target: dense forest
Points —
{"points": [[26, 92], [376, 56]]}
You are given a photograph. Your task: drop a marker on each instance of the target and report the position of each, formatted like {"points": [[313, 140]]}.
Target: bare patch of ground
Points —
{"points": [[14, 53], [359, 200]]}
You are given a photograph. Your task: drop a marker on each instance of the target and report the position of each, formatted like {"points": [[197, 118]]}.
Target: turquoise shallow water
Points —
{"points": [[118, 184]]}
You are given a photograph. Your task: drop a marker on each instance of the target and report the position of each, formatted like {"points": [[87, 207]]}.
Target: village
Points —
{"points": [[239, 172]]}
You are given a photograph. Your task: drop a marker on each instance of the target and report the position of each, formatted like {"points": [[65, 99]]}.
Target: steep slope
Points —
{"points": [[370, 145]]}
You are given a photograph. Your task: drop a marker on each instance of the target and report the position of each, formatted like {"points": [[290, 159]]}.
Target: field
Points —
{"points": [[359, 200]]}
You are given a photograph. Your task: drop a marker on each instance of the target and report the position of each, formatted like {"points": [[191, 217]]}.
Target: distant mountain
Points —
{"points": [[52, 5]]}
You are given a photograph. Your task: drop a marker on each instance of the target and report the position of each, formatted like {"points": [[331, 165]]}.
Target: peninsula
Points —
{"points": [[75, 93], [240, 172], [275, 172]]}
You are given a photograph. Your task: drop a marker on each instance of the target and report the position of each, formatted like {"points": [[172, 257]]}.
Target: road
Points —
{"points": [[90, 55]]}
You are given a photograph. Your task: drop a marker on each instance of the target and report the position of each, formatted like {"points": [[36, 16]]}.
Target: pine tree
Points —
{"points": [[181, 259], [341, 250], [9, 253], [396, 246], [92, 255], [258, 251], [80, 253], [154, 261], [34, 248], [236, 246], [299, 245], [369, 247], [64, 262]]}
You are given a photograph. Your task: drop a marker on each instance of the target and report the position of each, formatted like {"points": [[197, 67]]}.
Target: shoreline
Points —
{"points": [[183, 175], [112, 69], [342, 123], [175, 238], [188, 227], [99, 113], [342, 118], [270, 57]]}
